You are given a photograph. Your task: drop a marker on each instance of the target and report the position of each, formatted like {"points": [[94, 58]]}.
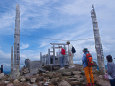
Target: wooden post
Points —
{"points": [[54, 54], [98, 45], [41, 58], [11, 59], [49, 57]]}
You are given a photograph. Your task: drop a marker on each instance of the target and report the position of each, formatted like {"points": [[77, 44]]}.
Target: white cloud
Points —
{"points": [[24, 46], [44, 44], [4, 55], [79, 7], [30, 54]]}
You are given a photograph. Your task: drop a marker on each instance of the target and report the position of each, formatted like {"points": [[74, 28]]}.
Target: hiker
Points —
{"points": [[62, 56], [111, 70], [71, 54], [87, 66]]}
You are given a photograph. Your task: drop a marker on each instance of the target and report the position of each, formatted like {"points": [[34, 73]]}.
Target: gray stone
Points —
{"points": [[72, 79], [46, 83], [77, 76], [1, 75], [81, 79], [34, 85], [76, 72], [6, 82], [10, 84], [33, 80], [54, 81], [22, 79], [16, 81], [67, 74], [101, 76], [75, 83], [64, 83]]}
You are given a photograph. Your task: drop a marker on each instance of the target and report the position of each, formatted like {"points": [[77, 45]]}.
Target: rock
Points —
{"points": [[101, 76], [55, 81], [41, 83], [81, 79], [33, 80], [10, 84], [67, 74], [64, 83], [22, 79], [34, 85], [76, 72], [2, 84], [28, 84], [51, 75], [73, 83], [72, 79], [6, 82], [16, 81], [41, 78], [1, 75], [46, 83], [77, 76]]}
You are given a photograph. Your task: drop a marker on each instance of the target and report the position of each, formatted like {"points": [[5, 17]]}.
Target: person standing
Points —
{"points": [[111, 70], [87, 66], [71, 54], [62, 57]]}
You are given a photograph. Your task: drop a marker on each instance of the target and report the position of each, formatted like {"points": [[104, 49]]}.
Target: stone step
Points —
{"points": [[72, 79], [73, 83]]}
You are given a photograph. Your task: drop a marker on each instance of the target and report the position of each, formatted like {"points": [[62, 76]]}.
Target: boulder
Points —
{"points": [[16, 81], [77, 77], [64, 83], [10, 84], [73, 83], [55, 81], [46, 84], [6, 82], [41, 83], [101, 76], [25, 71], [33, 80], [34, 85], [1, 75], [23, 79], [81, 79], [2, 84], [67, 74], [76, 72], [72, 79]]}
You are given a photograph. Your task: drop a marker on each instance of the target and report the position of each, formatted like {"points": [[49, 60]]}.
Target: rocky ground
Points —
{"points": [[65, 77]]}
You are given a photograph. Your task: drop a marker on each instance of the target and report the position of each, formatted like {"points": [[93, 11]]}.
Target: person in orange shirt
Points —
{"points": [[87, 69]]}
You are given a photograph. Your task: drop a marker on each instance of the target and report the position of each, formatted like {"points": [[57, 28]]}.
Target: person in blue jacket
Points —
{"points": [[87, 69]]}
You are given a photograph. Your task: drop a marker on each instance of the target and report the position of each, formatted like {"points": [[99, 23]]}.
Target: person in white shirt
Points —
{"points": [[71, 55]]}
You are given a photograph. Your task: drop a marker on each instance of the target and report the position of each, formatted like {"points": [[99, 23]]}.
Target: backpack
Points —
{"points": [[63, 51], [73, 50], [89, 59]]}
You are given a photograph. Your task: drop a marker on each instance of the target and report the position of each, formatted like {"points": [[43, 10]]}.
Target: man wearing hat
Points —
{"points": [[87, 69], [71, 55]]}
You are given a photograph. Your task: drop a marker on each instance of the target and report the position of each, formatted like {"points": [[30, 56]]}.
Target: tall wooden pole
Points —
{"points": [[11, 59], [98, 45], [17, 43]]}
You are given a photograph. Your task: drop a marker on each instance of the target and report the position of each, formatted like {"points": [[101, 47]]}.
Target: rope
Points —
{"points": [[67, 40]]}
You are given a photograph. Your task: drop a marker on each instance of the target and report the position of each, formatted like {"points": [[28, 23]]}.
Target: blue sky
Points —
{"points": [[56, 19]]}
